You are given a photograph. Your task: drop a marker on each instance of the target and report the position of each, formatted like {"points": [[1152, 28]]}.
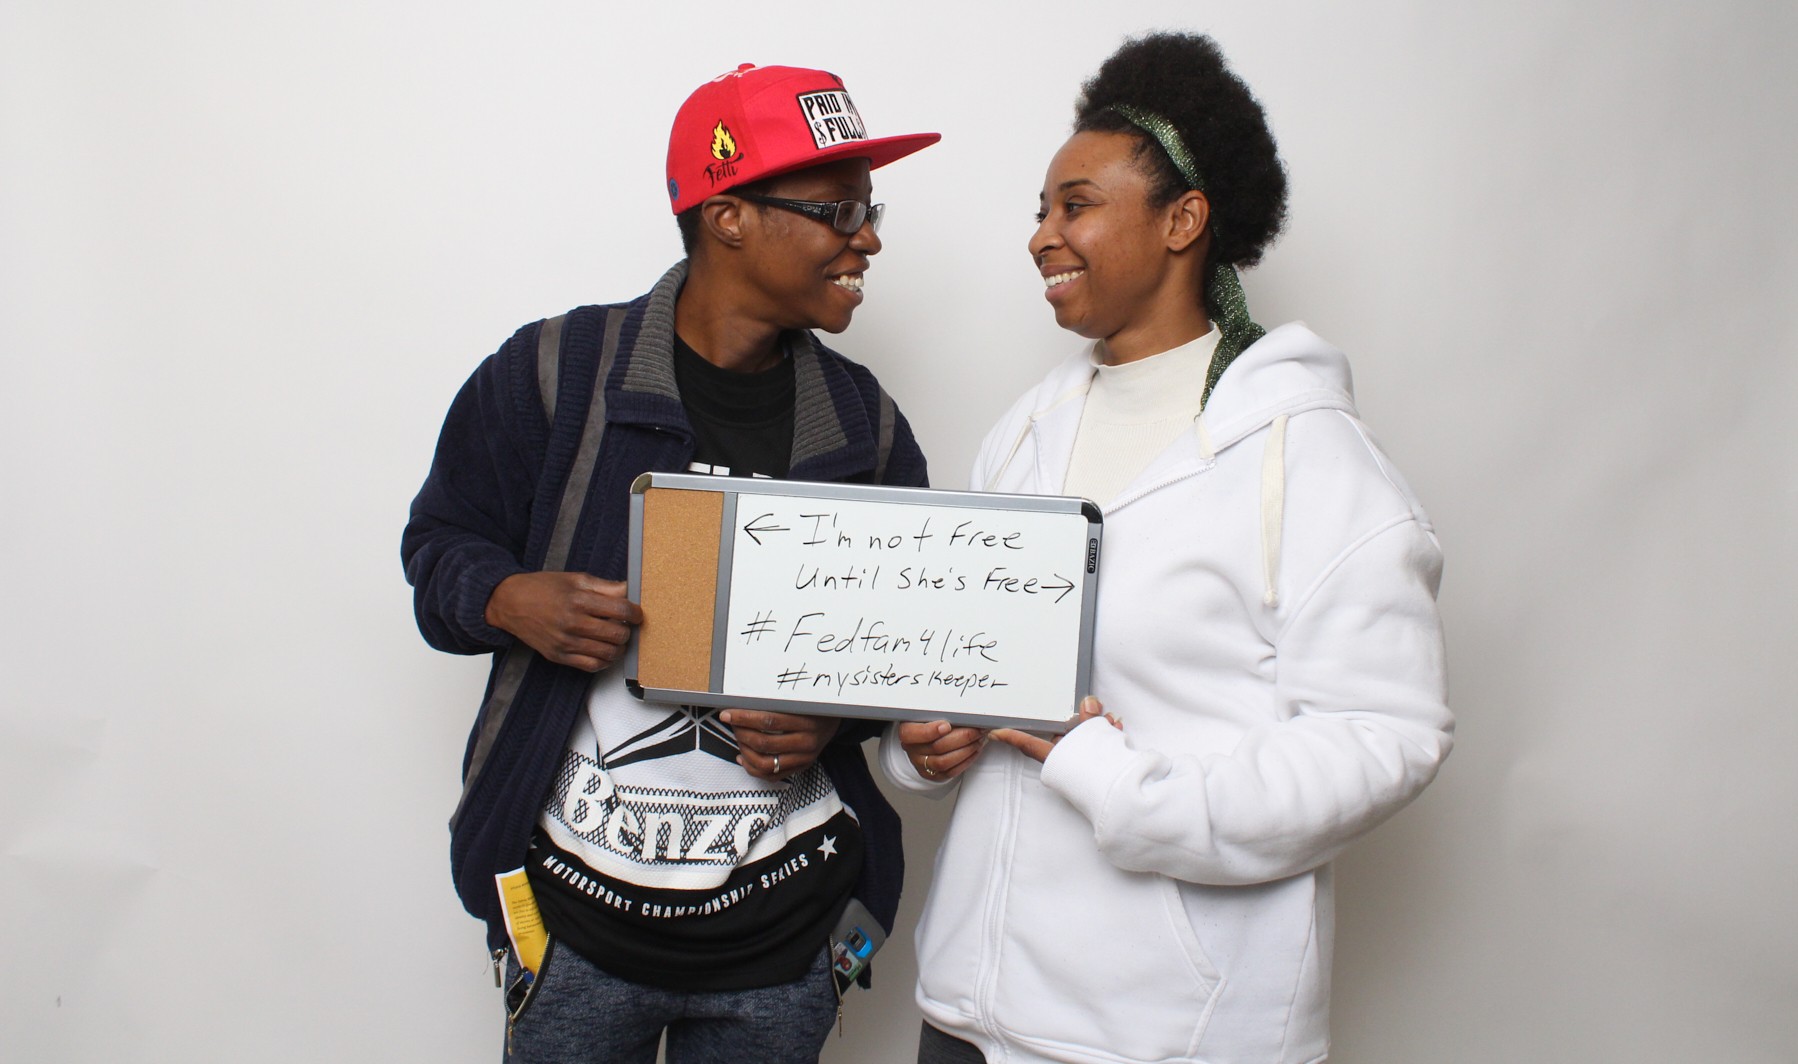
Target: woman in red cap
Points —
{"points": [[1155, 885]]}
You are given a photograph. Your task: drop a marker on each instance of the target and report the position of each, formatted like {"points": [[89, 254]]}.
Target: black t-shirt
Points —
{"points": [[743, 422]]}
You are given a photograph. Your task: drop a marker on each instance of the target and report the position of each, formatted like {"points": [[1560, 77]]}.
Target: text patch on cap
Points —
{"points": [[832, 118]]}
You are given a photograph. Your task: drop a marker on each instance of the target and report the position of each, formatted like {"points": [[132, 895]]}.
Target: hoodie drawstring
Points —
{"points": [[1273, 507], [1023, 434]]}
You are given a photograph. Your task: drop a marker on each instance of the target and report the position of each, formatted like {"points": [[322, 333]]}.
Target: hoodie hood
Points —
{"points": [[1288, 371]]}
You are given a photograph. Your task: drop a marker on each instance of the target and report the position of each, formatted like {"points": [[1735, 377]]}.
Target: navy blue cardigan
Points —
{"points": [[486, 510]]}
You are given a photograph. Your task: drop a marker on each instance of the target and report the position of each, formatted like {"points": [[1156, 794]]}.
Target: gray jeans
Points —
{"points": [[576, 1013], [935, 1047]]}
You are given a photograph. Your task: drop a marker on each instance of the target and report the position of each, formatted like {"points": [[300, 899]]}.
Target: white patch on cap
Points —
{"points": [[832, 118]]}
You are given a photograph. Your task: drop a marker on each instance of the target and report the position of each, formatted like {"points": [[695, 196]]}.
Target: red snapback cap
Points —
{"points": [[755, 122]]}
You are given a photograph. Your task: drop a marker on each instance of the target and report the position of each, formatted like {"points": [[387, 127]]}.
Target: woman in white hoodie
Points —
{"points": [[1155, 885]]}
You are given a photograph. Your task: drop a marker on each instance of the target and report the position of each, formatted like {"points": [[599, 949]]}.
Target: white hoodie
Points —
{"points": [[1267, 634]]}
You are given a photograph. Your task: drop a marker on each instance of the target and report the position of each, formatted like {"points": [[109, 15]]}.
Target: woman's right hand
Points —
{"points": [[938, 750]]}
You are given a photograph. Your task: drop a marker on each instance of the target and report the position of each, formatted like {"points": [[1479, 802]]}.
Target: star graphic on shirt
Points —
{"points": [[829, 849]]}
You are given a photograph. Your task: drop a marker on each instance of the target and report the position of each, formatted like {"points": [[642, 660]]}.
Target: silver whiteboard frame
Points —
{"points": [[734, 487]]}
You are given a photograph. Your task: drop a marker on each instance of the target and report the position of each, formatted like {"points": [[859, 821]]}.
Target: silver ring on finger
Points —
{"points": [[928, 771], [777, 764]]}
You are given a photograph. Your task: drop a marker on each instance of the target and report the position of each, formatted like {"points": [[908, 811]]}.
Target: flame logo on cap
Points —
{"points": [[724, 146]]}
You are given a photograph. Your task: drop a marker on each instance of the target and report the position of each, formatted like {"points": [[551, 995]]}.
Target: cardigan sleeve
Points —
{"points": [[470, 521]]}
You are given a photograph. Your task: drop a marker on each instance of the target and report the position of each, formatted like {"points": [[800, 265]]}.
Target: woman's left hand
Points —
{"points": [[1036, 747], [953, 749]]}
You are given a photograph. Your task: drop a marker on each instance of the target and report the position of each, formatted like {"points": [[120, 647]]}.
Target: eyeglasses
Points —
{"points": [[845, 216]]}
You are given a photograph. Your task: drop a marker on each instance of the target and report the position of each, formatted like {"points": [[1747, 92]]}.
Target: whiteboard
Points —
{"points": [[857, 600]]}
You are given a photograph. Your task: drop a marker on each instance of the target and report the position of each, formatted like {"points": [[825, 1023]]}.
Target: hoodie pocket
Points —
{"points": [[1097, 958]]}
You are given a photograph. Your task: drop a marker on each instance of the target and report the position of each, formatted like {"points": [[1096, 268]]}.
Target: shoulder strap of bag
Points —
{"points": [[549, 363], [518, 656], [884, 436]]}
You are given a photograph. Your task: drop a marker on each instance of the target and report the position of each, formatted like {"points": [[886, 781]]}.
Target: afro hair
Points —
{"points": [[1183, 78]]}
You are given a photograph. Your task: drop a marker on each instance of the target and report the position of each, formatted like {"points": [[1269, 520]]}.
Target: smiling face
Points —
{"points": [[808, 275], [1117, 268]]}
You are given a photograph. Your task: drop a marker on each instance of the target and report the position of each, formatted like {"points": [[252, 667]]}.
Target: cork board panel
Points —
{"points": [[681, 534]]}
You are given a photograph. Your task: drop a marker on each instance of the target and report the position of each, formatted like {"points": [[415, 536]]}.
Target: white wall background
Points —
{"points": [[249, 251]]}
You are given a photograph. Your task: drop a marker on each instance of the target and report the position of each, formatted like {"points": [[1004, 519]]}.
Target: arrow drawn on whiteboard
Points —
{"points": [[1065, 586], [751, 528]]}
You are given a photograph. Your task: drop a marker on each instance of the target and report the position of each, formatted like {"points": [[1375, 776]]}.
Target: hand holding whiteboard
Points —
{"points": [[863, 601]]}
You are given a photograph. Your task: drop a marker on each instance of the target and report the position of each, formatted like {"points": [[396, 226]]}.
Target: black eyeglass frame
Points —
{"points": [[845, 216]]}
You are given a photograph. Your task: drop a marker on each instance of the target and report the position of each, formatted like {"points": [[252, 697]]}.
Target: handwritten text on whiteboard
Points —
{"points": [[937, 607]]}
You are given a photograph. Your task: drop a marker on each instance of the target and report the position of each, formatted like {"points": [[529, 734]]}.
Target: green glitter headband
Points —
{"points": [[1168, 137], [1238, 330]]}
